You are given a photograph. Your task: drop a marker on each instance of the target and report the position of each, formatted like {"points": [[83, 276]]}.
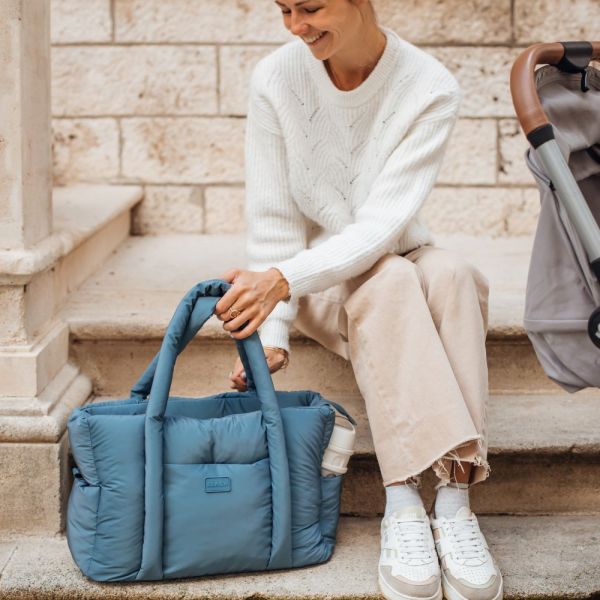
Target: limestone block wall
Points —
{"points": [[154, 92]]}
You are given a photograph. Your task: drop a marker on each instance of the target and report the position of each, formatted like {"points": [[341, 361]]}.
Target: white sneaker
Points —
{"points": [[408, 564], [468, 569]]}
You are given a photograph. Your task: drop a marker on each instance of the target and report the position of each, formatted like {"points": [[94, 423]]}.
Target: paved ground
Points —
{"points": [[540, 557]]}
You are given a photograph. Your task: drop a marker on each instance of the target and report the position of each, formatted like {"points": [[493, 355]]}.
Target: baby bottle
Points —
{"points": [[340, 448]]}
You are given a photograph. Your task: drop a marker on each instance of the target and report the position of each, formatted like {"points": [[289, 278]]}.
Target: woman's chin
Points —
{"points": [[321, 45], [322, 54]]}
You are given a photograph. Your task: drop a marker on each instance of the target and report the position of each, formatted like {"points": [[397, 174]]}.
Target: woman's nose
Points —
{"points": [[297, 26]]}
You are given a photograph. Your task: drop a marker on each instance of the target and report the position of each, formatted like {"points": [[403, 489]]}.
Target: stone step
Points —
{"points": [[97, 219], [89, 222], [118, 317], [544, 557], [544, 452]]}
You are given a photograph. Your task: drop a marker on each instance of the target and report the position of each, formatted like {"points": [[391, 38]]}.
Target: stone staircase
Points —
{"points": [[540, 509]]}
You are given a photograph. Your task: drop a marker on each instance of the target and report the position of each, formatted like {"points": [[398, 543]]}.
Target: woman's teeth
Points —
{"points": [[310, 40]]}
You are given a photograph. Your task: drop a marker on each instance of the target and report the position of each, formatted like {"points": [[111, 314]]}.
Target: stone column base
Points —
{"points": [[34, 462]]}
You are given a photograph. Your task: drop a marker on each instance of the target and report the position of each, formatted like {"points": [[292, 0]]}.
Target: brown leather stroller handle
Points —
{"points": [[522, 81]]}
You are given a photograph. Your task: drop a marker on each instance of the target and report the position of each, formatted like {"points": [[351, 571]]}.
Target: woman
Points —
{"points": [[346, 130]]}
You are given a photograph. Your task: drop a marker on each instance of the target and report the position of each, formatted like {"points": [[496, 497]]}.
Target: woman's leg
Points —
{"points": [[320, 318], [416, 409], [457, 295], [381, 321], [390, 337]]}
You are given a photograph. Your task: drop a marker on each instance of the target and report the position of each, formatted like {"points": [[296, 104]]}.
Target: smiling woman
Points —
{"points": [[350, 39], [347, 126]]}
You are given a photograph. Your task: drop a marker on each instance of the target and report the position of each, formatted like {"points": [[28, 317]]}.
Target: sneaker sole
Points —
{"points": [[392, 594], [451, 594]]}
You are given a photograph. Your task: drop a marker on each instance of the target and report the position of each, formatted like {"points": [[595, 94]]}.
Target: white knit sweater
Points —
{"points": [[335, 179]]}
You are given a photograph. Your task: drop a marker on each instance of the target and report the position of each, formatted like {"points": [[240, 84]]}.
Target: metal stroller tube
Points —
{"points": [[571, 57]]}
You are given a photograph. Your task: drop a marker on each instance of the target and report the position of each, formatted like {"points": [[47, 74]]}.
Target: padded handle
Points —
{"points": [[201, 312], [523, 89], [181, 330], [192, 312]]}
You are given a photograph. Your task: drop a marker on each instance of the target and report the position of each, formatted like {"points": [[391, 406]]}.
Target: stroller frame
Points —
{"points": [[571, 57]]}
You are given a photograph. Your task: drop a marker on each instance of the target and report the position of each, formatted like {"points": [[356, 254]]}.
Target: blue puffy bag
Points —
{"points": [[167, 487]]}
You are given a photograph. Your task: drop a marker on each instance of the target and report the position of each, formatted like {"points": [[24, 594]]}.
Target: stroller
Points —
{"points": [[558, 107]]}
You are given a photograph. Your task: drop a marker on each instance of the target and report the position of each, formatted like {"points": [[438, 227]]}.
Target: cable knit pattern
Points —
{"points": [[335, 179]]}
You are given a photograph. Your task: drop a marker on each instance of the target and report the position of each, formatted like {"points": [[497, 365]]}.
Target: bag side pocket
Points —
{"points": [[82, 516], [331, 488]]}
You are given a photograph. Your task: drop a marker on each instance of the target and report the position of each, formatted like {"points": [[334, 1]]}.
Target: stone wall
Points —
{"points": [[154, 92]]}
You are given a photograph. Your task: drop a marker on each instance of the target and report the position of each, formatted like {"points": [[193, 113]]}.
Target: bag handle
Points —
{"points": [[200, 314], [193, 311], [202, 311]]}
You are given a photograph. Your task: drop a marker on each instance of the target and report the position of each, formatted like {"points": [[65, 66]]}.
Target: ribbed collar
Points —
{"points": [[377, 77]]}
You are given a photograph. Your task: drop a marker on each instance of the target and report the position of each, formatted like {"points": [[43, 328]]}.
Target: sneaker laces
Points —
{"points": [[410, 536], [468, 540]]}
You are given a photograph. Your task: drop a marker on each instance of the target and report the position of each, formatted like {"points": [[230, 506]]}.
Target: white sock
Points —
{"points": [[401, 496], [450, 498]]}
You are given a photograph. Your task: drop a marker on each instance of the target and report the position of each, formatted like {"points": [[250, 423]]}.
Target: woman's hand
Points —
{"points": [[251, 299], [275, 360]]}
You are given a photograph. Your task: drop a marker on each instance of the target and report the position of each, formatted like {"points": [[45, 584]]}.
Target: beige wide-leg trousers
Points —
{"points": [[414, 329]]}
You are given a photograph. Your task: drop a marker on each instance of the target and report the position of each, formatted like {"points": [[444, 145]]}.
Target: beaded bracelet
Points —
{"points": [[286, 359]]}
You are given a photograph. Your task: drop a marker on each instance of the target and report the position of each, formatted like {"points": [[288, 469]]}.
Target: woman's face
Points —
{"points": [[325, 26]]}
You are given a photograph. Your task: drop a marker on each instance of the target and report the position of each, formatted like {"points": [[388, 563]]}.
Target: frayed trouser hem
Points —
{"points": [[442, 466]]}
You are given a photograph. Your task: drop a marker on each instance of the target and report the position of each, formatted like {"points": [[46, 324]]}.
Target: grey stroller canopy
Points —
{"points": [[563, 292]]}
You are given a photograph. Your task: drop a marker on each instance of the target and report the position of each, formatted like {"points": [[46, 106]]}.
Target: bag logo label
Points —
{"points": [[217, 484]]}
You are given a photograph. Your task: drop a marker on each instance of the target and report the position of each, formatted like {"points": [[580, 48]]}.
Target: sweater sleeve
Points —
{"points": [[276, 228], [394, 198]]}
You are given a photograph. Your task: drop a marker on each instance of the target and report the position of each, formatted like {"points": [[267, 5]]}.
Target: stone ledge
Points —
{"points": [[533, 425], [543, 453], [540, 557], [524, 424], [69, 390], [134, 294], [75, 221]]}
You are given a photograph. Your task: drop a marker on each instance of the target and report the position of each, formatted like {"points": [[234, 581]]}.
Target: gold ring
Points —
{"points": [[236, 311]]}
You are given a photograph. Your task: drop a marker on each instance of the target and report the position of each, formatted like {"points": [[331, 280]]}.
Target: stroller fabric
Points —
{"points": [[562, 290], [178, 487]]}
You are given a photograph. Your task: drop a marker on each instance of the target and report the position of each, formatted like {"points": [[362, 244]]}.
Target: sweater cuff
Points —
{"points": [[299, 283], [274, 332]]}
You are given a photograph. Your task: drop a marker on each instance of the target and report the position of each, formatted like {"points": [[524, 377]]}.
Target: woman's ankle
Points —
{"points": [[450, 498], [402, 494]]}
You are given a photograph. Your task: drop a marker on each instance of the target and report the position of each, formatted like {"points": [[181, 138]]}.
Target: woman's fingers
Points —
{"points": [[253, 293], [245, 315], [249, 329], [237, 376], [231, 295], [240, 386], [241, 303], [238, 381]]}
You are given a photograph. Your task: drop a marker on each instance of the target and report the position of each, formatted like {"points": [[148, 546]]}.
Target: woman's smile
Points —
{"points": [[314, 39]]}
